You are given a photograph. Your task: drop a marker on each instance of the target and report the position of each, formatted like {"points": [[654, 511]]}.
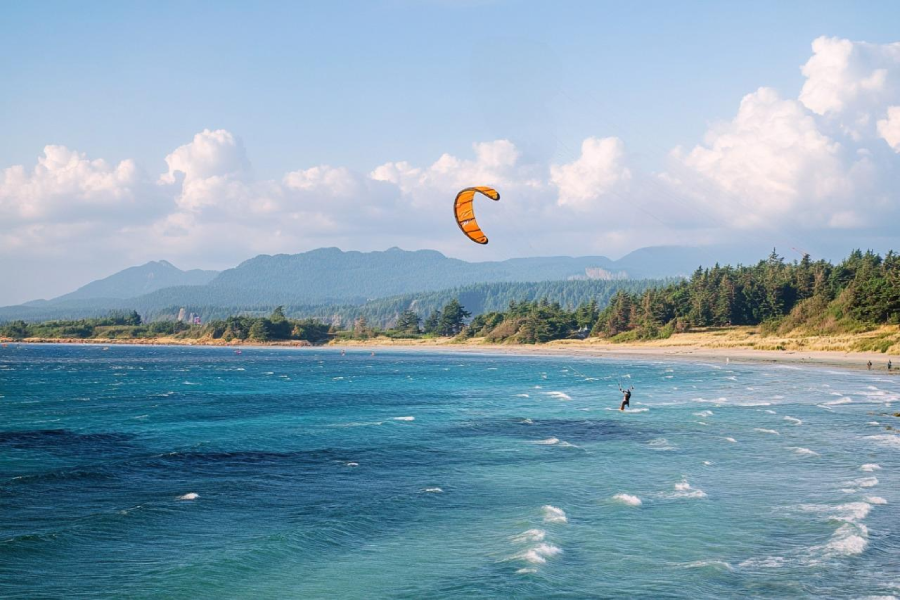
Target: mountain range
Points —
{"points": [[329, 276]]}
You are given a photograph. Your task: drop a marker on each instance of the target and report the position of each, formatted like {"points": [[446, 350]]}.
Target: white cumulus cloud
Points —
{"points": [[772, 163], [600, 169], [889, 128], [851, 82]]}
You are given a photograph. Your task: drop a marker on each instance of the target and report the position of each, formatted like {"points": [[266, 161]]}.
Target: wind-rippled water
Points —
{"points": [[172, 472]]}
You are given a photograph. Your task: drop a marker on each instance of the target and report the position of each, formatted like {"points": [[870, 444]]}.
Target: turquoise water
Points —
{"points": [[171, 472]]}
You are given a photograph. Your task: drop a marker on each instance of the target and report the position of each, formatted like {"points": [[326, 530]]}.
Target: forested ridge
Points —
{"points": [[808, 297]]}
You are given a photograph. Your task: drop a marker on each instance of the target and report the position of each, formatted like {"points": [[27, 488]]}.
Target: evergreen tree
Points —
{"points": [[453, 317]]}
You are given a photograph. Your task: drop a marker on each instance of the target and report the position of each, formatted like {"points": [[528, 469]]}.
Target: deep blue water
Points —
{"points": [[173, 472]]}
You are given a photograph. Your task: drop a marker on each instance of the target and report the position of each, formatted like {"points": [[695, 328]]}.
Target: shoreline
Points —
{"points": [[568, 348]]}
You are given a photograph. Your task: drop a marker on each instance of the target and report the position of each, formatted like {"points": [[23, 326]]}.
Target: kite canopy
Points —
{"points": [[465, 213]]}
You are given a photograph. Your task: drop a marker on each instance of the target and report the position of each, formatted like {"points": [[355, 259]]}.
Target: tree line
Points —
{"points": [[860, 292]]}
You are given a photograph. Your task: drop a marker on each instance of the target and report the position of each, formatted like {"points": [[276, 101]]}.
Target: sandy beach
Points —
{"points": [[696, 347]]}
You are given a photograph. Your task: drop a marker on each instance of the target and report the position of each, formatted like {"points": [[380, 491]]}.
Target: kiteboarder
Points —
{"points": [[626, 397]]}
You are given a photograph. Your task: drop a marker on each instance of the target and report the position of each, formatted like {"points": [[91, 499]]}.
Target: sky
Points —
{"points": [[208, 133]]}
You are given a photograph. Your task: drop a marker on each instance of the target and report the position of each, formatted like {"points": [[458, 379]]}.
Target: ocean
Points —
{"points": [[184, 472]]}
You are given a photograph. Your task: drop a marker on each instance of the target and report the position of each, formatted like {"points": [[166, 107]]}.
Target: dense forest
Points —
{"points": [[811, 297], [815, 297]]}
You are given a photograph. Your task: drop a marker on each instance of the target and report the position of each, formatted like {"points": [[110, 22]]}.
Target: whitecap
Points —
{"points": [[769, 562], [635, 410], [794, 420], [865, 482], [707, 463], [869, 467], [683, 489], [873, 423], [703, 413], [540, 553], [433, 490], [547, 442], [404, 418], [660, 444], [804, 451], [525, 571], [844, 400], [531, 535], [352, 464], [731, 439], [526, 422], [558, 395], [886, 439], [522, 396], [189, 496], [770, 431], [875, 500], [700, 564], [627, 499], [554, 515]]}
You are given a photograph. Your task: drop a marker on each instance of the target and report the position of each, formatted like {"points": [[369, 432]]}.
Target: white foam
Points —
{"points": [[683, 489], [869, 467], [707, 463], [771, 412], [851, 537], [886, 439], [761, 430], [731, 439], [527, 422], [794, 420], [635, 410], [352, 464], [804, 451], [875, 423], [769, 562], [660, 444], [843, 400], [558, 395], [627, 499], [548, 442], [865, 482], [189, 496], [525, 571], [540, 553], [404, 418], [703, 413], [522, 396], [875, 500], [701, 423], [769, 431], [719, 564], [433, 490], [532, 535], [554, 515]]}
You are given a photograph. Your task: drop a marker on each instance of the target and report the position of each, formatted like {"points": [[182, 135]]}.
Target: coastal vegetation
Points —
{"points": [[859, 294]]}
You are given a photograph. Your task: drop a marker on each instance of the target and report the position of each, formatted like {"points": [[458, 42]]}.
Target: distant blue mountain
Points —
{"points": [[329, 276], [133, 282]]}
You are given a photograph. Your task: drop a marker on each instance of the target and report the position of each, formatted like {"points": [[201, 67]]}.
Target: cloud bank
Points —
{"points": [[824, 161]]}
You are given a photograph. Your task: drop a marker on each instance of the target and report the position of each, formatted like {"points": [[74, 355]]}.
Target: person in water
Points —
{"points": [[626, 397], [869, 365]]}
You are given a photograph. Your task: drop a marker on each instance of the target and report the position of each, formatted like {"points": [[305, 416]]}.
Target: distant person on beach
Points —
{"points": [[869, 365], [626, 397], [889, 365]]}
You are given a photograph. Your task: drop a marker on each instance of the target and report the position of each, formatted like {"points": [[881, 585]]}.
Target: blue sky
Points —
{"points": [[356, 85]]}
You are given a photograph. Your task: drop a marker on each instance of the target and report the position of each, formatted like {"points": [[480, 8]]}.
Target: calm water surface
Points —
{"points": [[171, 472]]}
